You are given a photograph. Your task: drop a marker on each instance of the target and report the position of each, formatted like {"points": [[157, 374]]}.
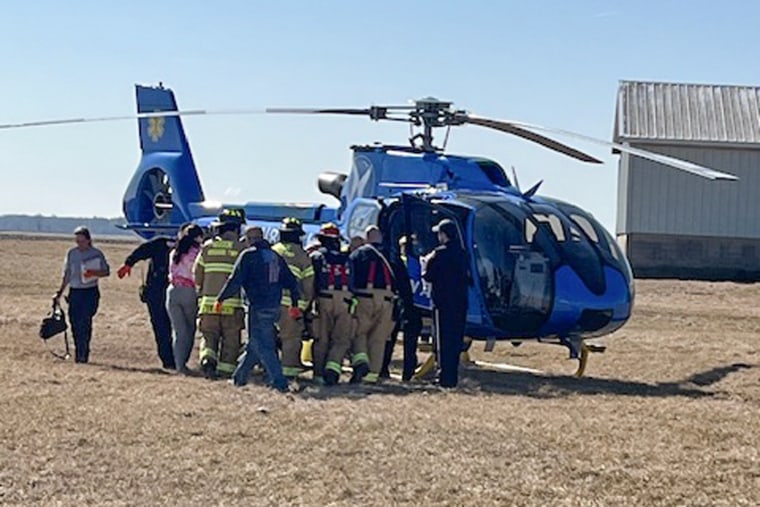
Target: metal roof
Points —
{"points": [[679, 113]]}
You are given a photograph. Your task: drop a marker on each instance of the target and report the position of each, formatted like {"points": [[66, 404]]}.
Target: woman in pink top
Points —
{"points": [[182, 297]]}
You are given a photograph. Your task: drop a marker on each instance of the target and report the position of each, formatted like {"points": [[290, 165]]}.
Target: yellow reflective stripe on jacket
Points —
{"points": [[296, 271], [218, 267], [229, 306], [283, 250], [288, 301], [306, 273], [211, 300]]}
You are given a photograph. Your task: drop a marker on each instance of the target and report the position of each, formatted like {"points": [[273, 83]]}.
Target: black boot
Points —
{"points": [[360, 371], [331, 378], [209, 369]]}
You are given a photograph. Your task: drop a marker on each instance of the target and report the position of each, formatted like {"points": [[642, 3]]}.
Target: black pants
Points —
{"points": [[83, 305], [411, 326], [450, 324], [162, 326]]}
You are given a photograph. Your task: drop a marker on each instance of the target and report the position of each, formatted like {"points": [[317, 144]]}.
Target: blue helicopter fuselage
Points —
{"points": [[539, 268]]}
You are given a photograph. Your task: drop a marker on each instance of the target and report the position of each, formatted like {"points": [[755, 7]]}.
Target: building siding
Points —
{"points": [[654, 199]]}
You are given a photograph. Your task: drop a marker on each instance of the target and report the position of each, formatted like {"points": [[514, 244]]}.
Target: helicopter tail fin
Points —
{"points": [[161, 133], [166, 187]]}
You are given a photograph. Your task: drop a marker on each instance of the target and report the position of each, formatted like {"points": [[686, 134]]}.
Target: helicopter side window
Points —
{"points": [[495, 236], [424, 240], [423, 216]]}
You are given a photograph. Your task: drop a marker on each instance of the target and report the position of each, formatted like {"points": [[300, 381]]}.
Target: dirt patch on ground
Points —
{"points": [[670, 415]]}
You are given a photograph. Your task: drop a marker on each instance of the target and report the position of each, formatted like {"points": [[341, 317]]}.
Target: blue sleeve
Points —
{"points": [[289, 281], [235, 281]]}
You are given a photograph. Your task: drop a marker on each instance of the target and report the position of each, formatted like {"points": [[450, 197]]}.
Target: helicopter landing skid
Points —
{"points": [[586, 349]]}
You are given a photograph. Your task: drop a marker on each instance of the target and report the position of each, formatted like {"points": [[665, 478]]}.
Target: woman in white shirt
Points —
{"points": [[83, 266]]}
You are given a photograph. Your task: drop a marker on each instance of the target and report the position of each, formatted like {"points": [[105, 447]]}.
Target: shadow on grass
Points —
{"points": [[715, 375], [548, 387], [133, 369], [475, 381], [478, 381]]}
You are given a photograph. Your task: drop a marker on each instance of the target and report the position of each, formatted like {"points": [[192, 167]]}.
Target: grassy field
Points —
{"points": [[670, 415]]}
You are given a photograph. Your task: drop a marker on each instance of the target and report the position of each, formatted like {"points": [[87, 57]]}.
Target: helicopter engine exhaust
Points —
{"points": [[331, 183]]}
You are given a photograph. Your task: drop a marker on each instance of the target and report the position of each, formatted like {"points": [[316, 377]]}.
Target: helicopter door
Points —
{"points": [[409, 235]]}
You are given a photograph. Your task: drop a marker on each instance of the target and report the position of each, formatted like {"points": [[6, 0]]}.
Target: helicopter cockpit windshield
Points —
{"points": [[517, 249]]}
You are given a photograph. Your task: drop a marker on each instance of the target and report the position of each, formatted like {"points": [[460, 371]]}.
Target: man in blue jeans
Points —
{"points": [[262, 274]]}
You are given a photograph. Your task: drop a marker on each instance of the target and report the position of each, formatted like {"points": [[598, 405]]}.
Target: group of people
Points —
{"points": [[347, 302]]}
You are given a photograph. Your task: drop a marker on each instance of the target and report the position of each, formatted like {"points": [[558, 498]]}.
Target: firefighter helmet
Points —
{"points": [[329, 230], [291, 224], [233, 216]]}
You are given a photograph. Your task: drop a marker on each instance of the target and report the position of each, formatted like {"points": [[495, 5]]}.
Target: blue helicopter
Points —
{"points": [[542, 269]]}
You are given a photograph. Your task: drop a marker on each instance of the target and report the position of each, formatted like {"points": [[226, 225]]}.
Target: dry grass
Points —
{"points": [[668, 416]]}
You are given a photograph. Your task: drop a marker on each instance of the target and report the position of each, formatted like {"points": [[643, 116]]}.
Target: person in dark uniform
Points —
{"points": [[156, 252], [446, 270], [407, 320]]}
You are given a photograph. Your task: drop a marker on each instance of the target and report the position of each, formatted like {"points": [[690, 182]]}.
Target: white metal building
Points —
{"points": [[671, 223]]}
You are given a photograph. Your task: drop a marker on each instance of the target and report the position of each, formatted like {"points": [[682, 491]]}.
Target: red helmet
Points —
{"points": [[329, 230]]}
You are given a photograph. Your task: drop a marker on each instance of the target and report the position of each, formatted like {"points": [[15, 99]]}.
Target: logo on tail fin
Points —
{"points": [[156, 128]]}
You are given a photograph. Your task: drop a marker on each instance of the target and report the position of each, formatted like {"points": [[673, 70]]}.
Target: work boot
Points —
{"points": [[331, 378], [360, 371], [209, 369]]}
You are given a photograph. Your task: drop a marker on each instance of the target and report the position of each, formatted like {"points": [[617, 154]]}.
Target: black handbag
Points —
{"points": [[53, 325]]}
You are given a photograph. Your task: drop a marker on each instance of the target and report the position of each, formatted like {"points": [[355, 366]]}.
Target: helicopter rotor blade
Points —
{"points": [[375, 113], [138, 116], [519, 131], [676, 163], [310, 110]]}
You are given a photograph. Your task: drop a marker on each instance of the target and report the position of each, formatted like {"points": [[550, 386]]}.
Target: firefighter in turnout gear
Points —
{"points": [[333, 323], [372, 283], [220, 342], [291, 331]]}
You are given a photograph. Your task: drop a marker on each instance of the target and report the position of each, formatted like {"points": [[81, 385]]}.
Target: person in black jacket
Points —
{"points": [[446, 270], [408, 319], [156, 252]]}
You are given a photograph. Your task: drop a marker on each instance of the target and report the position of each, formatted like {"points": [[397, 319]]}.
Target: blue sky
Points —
{"points": [[555, 63]]}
